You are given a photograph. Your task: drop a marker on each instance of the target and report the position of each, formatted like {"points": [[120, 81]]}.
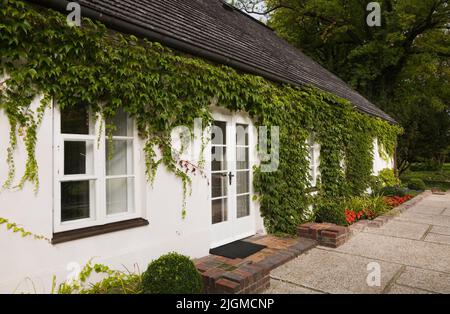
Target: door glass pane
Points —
{"points": [[76, 199], [119, 195], [76, 121], [243, 206], [242, 158], [78, 157], [219, 133], [122, 123], [119, 157], [242, 134], [218, 158], [242, 180], [219, 210], [219, 184]]}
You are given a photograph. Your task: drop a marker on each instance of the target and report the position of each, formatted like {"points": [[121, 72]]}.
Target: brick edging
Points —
{"points": [[222, 275], [325, 234], [394, 212], [332, 235]]}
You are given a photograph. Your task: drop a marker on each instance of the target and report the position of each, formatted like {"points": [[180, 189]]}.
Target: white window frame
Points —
{"points": [[314, 153], [248, 169], [98, 214]]}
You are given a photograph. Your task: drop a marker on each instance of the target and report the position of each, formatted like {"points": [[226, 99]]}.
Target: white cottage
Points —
{"points": [[89, 205]]}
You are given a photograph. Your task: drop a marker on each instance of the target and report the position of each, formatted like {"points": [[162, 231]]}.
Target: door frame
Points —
{"points": [[234, 228]]}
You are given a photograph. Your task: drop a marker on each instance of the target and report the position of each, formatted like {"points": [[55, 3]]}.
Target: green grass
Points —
{"points": [[433, 179]]}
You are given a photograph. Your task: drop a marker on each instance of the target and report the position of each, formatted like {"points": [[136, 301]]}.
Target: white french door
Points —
{"points": [[232, 215]]}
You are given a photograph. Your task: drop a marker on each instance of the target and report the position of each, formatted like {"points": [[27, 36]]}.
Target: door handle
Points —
{"points": [[230, 177]]}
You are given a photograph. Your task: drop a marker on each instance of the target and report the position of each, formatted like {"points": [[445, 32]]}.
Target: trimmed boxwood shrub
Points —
{"points": [[417, 184], [172, 273]]}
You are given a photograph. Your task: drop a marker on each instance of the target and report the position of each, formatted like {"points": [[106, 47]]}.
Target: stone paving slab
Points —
{"points": [[333, 272], [399, 289], [425, 279], [436, 220], [398, 250], [413, 250], [426, 209], [277, 286], [438, 238], [401, 229], [440, 230]]}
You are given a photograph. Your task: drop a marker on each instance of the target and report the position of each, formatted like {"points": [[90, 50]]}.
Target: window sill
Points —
{"points": [[72, 235]]}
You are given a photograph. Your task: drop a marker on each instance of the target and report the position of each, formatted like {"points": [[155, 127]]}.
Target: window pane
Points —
{"points": [[243, 206], [218, 156], [219, 184], [219, 211], [219, 133], [242, 134], [76, 199], [119, 157], [78, 157], [242, 158], [75, 121], [242, 182], [119, 195], [123, 124]]}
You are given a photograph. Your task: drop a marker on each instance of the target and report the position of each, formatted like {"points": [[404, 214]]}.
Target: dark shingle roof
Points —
{"points": [[221, 30]]}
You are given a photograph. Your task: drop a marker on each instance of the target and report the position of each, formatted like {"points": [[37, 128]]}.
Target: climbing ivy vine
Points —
{"points": [[161, 88]]}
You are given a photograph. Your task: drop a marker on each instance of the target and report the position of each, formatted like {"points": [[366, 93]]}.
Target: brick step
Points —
{"points": [[325, 234]]}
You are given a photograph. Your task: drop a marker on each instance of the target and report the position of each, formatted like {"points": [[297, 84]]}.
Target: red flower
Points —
{"points": [[395, 201]]}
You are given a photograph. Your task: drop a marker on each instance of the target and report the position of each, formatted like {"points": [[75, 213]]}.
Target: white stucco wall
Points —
{"points": [[379, 163], [27, 265], [23, 258]]}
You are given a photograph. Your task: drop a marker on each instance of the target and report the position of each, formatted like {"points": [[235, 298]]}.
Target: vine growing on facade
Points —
{"points": [[41, 56]]}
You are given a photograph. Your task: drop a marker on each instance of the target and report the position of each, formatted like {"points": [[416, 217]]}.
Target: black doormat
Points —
{"points": [[237, 249]]}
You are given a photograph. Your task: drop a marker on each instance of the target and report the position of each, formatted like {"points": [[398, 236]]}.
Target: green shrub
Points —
{"points": [[375, 205], [113, 282], [420, 167], [393, 191], [334, 211], [388, 178], [330, 211], [172, 273], [375, 184], [417, 184]]}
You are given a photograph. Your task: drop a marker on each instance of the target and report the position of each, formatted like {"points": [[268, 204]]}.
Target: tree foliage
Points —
{"points": [[402, 66]]}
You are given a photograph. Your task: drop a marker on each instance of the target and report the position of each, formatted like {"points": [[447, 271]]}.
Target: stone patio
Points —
{"points": [[412, 249]]}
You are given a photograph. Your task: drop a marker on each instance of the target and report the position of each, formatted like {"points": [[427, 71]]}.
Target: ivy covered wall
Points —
{"points": [[162, 89]]}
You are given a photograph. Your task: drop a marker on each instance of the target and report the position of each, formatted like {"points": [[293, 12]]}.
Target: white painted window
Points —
{"points": [[243, 170], [94, 177], [314, 160]]}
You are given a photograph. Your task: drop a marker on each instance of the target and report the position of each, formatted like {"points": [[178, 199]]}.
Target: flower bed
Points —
{"points": [[352, 216], [371, 208], [394, 201]]}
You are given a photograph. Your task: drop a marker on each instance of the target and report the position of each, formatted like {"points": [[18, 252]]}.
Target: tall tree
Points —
{"points": [[403, 66]]}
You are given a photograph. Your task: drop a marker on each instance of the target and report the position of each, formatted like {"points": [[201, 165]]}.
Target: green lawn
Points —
{"points": [[433, 179]]}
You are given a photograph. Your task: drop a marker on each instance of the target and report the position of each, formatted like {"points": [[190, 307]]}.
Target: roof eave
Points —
{"points": [[126, 27]]}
